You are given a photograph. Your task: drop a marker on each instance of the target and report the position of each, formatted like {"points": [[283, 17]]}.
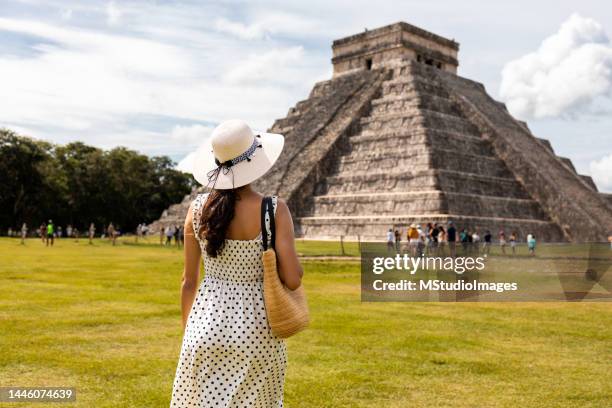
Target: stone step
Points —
{"points": [[406, 120], [407, 85], [288, 121], [357, 156], [375, 227], [303, 105], [589, 181], [295, 112], [366, 136], [419, 157], [428, 201], [469, 162], [452, 181], [404, 140], [342, 205], [282, 130], [410, 103], [395, 156], [412, 79], [421, 118], [460, 181]]}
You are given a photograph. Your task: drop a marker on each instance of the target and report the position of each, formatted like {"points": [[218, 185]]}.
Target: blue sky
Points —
{"points": [[157, 76]]}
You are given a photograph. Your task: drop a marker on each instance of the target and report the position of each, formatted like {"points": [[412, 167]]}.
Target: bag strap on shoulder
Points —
{"points": [[268, 225]]}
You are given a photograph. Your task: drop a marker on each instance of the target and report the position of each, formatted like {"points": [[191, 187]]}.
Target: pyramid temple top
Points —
{"points": [[387, 45]]}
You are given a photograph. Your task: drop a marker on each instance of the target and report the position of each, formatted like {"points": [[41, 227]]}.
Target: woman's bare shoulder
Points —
{"points": [[282, 210]]}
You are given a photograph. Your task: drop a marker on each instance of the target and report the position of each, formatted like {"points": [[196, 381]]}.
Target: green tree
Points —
{"points": [[78, 184], [28, 178]]}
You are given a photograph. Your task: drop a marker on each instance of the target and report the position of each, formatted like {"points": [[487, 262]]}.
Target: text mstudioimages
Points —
{"points": [[437, 285]]}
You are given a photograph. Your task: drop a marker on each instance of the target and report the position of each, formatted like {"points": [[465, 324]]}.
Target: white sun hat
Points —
{"points": [[235, 156]]}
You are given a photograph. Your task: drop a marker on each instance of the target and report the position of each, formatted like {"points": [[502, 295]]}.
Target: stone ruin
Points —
{"points": [[397, 137]]}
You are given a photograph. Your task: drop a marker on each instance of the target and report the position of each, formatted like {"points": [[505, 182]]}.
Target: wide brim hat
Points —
{"points": [[235, 156]]}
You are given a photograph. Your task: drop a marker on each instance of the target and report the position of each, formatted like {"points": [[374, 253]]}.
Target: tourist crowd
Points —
{"points": [[435, 240], [167, 234], [48, 232]]}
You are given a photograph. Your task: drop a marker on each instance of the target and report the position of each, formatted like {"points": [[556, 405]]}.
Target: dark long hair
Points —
{"points": [[217, 214]]}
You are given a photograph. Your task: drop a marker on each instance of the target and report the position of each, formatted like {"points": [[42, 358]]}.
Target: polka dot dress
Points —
{"points": [[229, 357]]}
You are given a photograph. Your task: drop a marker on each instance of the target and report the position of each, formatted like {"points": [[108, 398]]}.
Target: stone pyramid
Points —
{"points": [[397, 137]]}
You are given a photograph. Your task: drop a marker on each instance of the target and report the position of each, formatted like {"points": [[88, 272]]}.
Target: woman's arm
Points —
{"points": [[191, 273], [289, 268]]}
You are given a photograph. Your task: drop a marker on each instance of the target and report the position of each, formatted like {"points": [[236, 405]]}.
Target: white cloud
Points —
{"points": [[89, 84], [601, 171], [113, 13], [191, 135], [81, 77], [269, 66], [268, 23], [66, 14], [569, 74], [240, 30]]}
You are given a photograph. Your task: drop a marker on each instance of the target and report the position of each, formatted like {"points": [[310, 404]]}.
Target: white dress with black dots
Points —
{"points": [[229, 357]]}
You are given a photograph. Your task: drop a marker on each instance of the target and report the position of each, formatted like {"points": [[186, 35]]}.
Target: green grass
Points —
{"points": [[106, 320], [326, 248]]}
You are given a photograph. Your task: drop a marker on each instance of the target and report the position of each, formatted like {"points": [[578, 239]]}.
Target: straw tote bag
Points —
{"points": [[286, 309]]}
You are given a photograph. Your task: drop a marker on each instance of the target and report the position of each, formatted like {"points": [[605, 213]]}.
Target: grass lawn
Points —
{"points": [[106, 320]]}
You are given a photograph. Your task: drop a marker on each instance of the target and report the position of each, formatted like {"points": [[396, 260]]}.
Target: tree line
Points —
{"points": [[78, 184]]}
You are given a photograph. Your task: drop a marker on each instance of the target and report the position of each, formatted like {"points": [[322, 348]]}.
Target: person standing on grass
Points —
{"points": [[451, 236], [442, 240], [531, 244], [92, 232], [398, 240], [229, 356], [513, 239], [176, 235], [42, 231], [24, 233], [422, 241], [413, 239], [180, 236], [434, 238], [390, 237], [476, 242], [112, 233], [428, 238], [465, 241], [50, 232], [486, 248], [169, 235], [162, 234], [502, 241]]}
